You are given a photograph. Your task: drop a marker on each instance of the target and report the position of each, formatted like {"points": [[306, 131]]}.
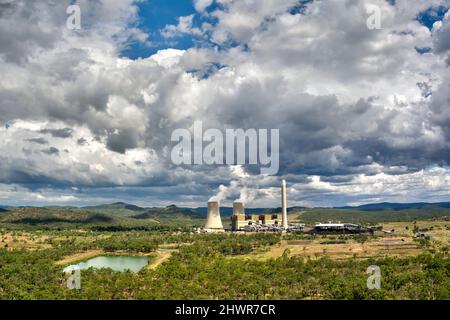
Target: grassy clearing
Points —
{"points": [[23, 241], [391, 246], [400, 243]]}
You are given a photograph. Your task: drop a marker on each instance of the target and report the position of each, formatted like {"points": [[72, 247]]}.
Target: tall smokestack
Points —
{"points": [[213, 221], [283, 203]]}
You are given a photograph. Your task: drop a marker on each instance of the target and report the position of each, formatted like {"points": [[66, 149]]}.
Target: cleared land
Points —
{"points": [[161, 256], [392, 246], [23, 241], [164, 253], [400, 242]]}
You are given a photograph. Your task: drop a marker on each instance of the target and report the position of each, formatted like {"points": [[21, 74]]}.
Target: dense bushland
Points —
{"points": [[211, 267]]}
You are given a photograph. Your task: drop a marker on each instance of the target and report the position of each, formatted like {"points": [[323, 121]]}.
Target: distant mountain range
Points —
{"points": [[173, 210], [115, 206], [49, 215], [397, 206], [169, 212], [134, 210], [124, 213]]}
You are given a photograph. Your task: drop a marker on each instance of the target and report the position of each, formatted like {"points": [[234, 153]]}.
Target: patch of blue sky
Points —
{"points": [[300, 7], [431, 15], [213, 7], [155, 15], [423, 50]]}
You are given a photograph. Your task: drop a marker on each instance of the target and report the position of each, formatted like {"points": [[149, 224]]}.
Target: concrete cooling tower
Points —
{"points": [[238, 218], [238, 208], [213, 221]]}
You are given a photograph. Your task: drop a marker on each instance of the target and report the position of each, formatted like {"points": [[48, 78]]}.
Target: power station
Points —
{"points": [[273, 222], [240, 221], [246, 222]]}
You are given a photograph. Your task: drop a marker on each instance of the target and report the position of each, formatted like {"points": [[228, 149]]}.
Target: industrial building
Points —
{"points": [[241, 221], [340, 228], [263, 222], [274, 222]]}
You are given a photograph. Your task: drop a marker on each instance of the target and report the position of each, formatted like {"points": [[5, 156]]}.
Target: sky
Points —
{"points": [[86, 116]]}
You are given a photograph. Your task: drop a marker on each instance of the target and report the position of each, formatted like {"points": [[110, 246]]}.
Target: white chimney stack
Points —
{"points": [[283, 203]]}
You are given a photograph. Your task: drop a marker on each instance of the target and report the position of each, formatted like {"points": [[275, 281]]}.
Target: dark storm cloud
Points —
{"points": [[58, 133], [38, 140], [34, 181], [122, 140], [82, 141], [6, 7], [51, 151], [440, 107], [338, 179], [19, 40], [442, 36], [310, 132]]}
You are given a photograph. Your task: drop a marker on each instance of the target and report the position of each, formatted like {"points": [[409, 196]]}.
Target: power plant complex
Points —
{"points": [[273, 222], [254, 222], [241, 221]]}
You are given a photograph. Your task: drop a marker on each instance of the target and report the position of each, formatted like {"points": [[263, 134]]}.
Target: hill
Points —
{"points": [[125, 214], [373, 216], [228, 211], [400, 206], [116, 214], [49, 216], [118, 208], [170, 212]]}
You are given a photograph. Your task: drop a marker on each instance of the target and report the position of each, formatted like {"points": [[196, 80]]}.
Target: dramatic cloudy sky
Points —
{"points": [[86, 115]]}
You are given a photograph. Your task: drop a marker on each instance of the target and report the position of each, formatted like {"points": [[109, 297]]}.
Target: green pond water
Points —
{"points": [[116, 263]]}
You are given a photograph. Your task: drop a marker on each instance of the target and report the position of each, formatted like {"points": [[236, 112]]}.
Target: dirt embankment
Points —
{"points": [[80, 256]]}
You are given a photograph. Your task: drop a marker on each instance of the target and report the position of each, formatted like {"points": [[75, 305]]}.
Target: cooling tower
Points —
{"points": [[213, 221], [238, 218], [283, 203], [238, 208]]}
